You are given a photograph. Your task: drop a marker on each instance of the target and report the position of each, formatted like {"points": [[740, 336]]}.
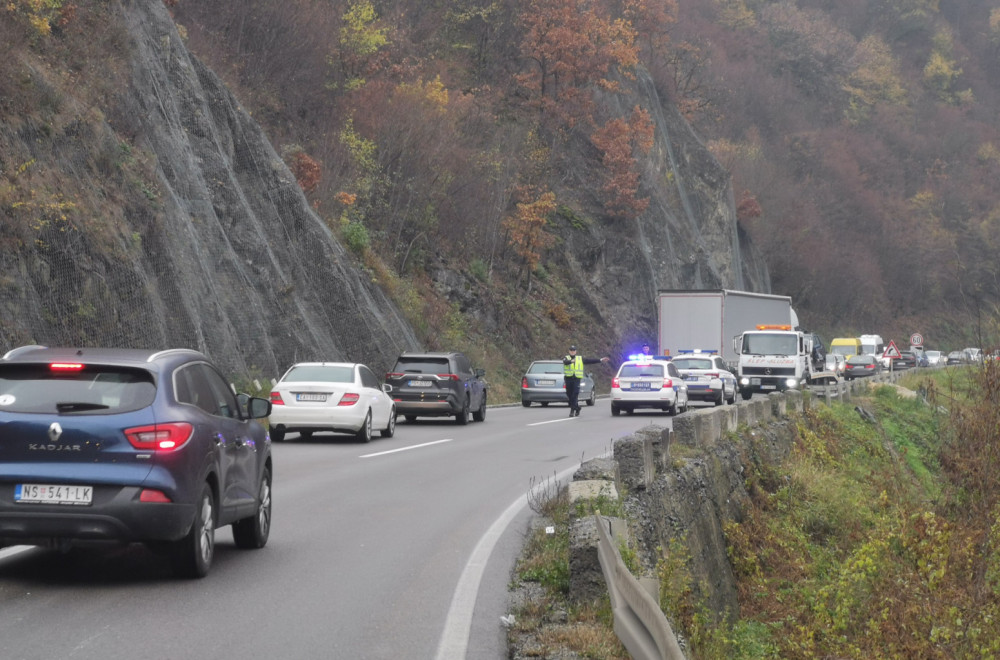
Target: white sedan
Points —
{"points": [[707, 377], [648, 384], [342, 397]]}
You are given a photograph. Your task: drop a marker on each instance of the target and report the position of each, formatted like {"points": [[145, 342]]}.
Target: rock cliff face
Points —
{"points": [[221, 251], [227, 257]]}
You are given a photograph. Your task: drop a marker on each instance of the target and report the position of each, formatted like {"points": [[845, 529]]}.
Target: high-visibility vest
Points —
{"points": [[574, 368]]}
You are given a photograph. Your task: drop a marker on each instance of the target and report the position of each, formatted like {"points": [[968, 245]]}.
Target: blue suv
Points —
{"points": [[123, 445]]}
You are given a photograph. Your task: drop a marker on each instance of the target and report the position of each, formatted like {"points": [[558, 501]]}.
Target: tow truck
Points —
{"points": [[775, 358]]}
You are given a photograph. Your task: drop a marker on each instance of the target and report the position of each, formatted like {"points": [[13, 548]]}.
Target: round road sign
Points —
{"points": [[916, 339]]}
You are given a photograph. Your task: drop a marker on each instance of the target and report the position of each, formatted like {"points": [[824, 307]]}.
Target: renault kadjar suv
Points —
{"points": [[122, 445]]}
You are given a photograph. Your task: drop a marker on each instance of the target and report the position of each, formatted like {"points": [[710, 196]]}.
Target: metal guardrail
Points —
{"points": [[640, 624]]}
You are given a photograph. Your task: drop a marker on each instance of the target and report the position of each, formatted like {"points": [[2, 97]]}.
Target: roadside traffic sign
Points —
{"points": [[916, 339], [891, 351]]}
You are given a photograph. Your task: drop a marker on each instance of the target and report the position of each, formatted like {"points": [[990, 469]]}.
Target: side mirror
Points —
{"points": [[258, 408], [386, 387]]}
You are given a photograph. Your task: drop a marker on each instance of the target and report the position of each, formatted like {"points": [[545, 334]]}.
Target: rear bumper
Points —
{"points": [[346, 418], [121, 518]]}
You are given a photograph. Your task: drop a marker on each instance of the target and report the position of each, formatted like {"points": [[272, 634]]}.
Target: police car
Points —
{"points": [[648, 383], [706, 376]]}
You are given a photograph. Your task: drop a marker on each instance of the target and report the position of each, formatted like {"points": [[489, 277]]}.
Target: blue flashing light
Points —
{"points": [[698, 350]]}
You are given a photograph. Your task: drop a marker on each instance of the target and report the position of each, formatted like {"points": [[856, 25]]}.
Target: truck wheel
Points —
{"points": [[746, 395]]}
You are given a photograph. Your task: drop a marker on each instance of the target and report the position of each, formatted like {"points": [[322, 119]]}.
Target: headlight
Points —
{"points": [[744, 381], [791, 382]]}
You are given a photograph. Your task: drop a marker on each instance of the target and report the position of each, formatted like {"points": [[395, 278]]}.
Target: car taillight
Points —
{"points": [[667, 383], [713, 375], [448, 376], [276, 399], [614, 382], [154, 496], [524, 382], [162, 437], [388, 376], [349, 399], [65, 366]]}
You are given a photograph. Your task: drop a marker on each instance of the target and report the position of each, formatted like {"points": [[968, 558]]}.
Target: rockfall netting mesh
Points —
{"points": [[227, 258]]}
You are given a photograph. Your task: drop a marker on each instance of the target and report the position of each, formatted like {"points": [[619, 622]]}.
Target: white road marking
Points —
{"points": [[393, 451], [454, 641], [553, 421]]}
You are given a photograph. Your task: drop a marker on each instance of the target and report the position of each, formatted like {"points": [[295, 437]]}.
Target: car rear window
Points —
{"points": [[422, 366], [688, 363], [319, 373], [546, 368], [90, 390], [639, 370]]}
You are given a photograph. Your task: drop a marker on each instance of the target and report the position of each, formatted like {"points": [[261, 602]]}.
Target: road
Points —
{"points": [[376, 551]]}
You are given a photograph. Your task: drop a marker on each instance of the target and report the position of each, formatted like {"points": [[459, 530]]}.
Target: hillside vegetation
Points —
{"points": [[861, 136]]}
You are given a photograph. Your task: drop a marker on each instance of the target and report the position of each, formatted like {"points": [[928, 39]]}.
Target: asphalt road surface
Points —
{"points": [[401, 548]]}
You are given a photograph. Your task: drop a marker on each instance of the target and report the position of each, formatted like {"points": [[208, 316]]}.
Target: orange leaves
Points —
{"points": [[526, 228], [573, 44], [306, 170], [618, 141]]}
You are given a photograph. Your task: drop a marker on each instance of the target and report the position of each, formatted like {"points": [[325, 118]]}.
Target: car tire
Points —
{"points": [[252, 533], [721, 399], [462, 418], [526, 404], [364, 433], [390, 429], [277, 434], [615, 411], [479, 414], [192, 555], [593, 398]]}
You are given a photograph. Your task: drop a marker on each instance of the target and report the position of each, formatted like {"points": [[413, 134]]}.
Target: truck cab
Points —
{"points": [[773, 358]]}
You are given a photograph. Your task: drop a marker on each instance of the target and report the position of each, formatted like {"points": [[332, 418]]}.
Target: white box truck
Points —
{"points": [[709, 319]]}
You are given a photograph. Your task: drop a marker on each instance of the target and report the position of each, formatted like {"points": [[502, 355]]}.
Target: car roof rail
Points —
{"points": [[14, 352], [174, 351]]}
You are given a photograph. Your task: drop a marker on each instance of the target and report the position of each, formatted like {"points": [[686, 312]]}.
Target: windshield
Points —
{"points": [[692, 363], [320, 374], [846, 351], [763, 343], [546, 368], [94, 389], [869, 349], [638, 370]]}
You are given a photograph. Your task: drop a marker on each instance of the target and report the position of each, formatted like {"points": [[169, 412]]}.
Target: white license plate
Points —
{"points": [[53, 494], [692, 378], [419, 383], [768, 387], [546, 382], [639, 386], [306, 396]]}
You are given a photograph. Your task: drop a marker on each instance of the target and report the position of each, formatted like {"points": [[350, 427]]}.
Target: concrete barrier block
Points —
{"points": [[762, 410], [795, 401], [777, 405], [728, 418], [636, 468], [592, 489], [659, 439], [684, 431], [744, 414], [586, 580]]}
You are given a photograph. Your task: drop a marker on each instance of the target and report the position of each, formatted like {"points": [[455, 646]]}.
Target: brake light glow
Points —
{"points": [[524, 382], [154, 496], [160, 437], [276, 399], [667, 383], [615, 382], [65, 366], [349, 399]]}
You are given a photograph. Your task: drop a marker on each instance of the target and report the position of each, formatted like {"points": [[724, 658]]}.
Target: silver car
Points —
{"points": [[543, 383]]}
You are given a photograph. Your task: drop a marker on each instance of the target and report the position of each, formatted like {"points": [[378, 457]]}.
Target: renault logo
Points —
{"points": [[55, 431]]}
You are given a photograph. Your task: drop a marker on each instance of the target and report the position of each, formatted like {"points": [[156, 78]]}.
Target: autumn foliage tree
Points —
{"points": [[526, 229], [619, 140]]}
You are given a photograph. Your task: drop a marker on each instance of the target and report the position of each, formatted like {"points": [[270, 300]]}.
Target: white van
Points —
{"points": [[874, 346]]}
